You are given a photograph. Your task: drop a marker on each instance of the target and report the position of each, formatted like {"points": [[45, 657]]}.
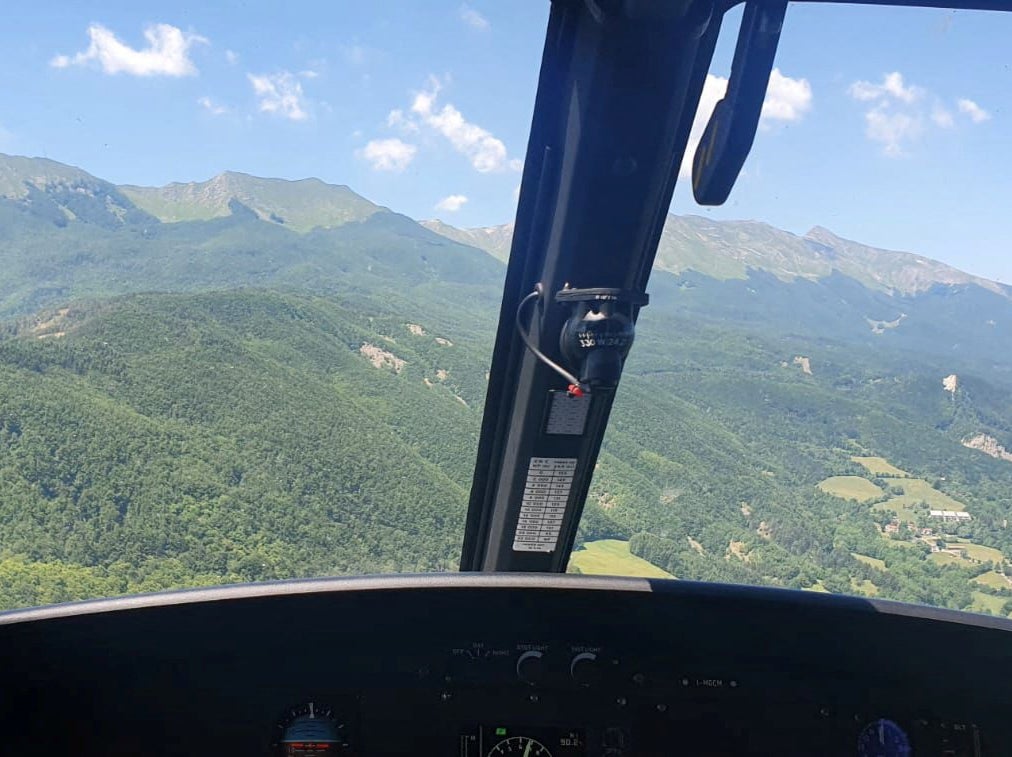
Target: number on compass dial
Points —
{"points": [[519, 746]]}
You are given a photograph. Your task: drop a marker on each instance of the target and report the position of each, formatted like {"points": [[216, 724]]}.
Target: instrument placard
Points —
{"points": [[546, 492]]}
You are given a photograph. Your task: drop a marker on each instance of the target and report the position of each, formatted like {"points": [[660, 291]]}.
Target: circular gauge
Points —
{"points": [[883, 738], [310, 729], [522, 746]]}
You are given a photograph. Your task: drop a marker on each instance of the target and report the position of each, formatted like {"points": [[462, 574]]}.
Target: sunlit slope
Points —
{"points": [[611, 557], [315, 408], [167, 440], [719, 441], [299, 205], [244, 436], [724, 250], [495, 240], [65, 235]]}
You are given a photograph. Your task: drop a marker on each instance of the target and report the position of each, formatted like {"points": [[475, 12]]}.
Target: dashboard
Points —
{"points": [[502, 665]]}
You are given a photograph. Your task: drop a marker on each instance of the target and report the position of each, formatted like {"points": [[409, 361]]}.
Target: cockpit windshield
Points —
{"points": [[253, 265]]}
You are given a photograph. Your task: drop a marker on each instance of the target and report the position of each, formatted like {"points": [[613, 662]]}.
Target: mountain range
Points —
{"points": [[730, 249], [249, 378], [717, 249]]}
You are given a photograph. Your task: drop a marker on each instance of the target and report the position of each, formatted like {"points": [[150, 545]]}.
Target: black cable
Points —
{"points": [[573, 380]]}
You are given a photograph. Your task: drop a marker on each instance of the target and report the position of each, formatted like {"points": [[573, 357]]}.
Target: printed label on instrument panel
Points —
{"points": [[546, 493], [567, 414]]}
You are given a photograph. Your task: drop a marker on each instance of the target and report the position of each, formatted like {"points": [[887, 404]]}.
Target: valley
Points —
{"points": [[249, 379]]}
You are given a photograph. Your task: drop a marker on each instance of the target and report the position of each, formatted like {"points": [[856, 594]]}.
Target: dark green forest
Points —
{"points": [[169, 440], [228, 400]]}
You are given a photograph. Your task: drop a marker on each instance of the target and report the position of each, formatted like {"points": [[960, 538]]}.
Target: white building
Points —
{"points": [[951, 515]]}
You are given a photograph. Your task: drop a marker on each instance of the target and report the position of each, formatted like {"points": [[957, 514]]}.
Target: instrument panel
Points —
{"points": [[494, 666], [520, 741]]}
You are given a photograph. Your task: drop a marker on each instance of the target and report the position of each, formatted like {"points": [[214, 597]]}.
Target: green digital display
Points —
{"points": [[500, 731]]}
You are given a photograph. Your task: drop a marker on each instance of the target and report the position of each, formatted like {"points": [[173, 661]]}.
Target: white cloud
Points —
{"points": [[167, 53], [212, 107], [388, 154], [892, 86], [451, 203], [892, 129], [942, 117], [232, 57], [397, 120], [899, 113], [280, 93], [787, 99], [472, 18], [976, 113], [485, 152], [309, 74]]}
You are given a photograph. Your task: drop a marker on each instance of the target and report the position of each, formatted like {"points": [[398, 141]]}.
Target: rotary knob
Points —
{"points": [[531, 666], [584, 669]]}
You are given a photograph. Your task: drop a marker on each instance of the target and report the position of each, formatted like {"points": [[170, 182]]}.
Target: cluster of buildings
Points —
{"points": [[950, 516], [893, 527]]}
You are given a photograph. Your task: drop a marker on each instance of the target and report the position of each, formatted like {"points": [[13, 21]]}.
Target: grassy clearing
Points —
{"points": [[915, 491], [944, 558], [879, 466], [817, 586], [978, 552], [918, 490], [611, 557], [904, 513], [988, 603], [993, 580], [872, 561], [863, 588], [851, 487]]}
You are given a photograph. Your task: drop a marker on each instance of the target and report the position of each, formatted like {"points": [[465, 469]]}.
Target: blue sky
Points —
{"points": [[887, 126]]}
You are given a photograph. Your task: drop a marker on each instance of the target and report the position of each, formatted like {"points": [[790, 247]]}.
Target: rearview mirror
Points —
{"points": [[731, 129]]}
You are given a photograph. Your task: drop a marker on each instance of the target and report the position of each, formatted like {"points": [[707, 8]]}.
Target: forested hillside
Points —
{"points": [[722, 438], [163, 439], [201, 390]]}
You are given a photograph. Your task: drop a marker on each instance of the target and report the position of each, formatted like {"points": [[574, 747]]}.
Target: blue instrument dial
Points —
{"points": [[883, 738]]}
